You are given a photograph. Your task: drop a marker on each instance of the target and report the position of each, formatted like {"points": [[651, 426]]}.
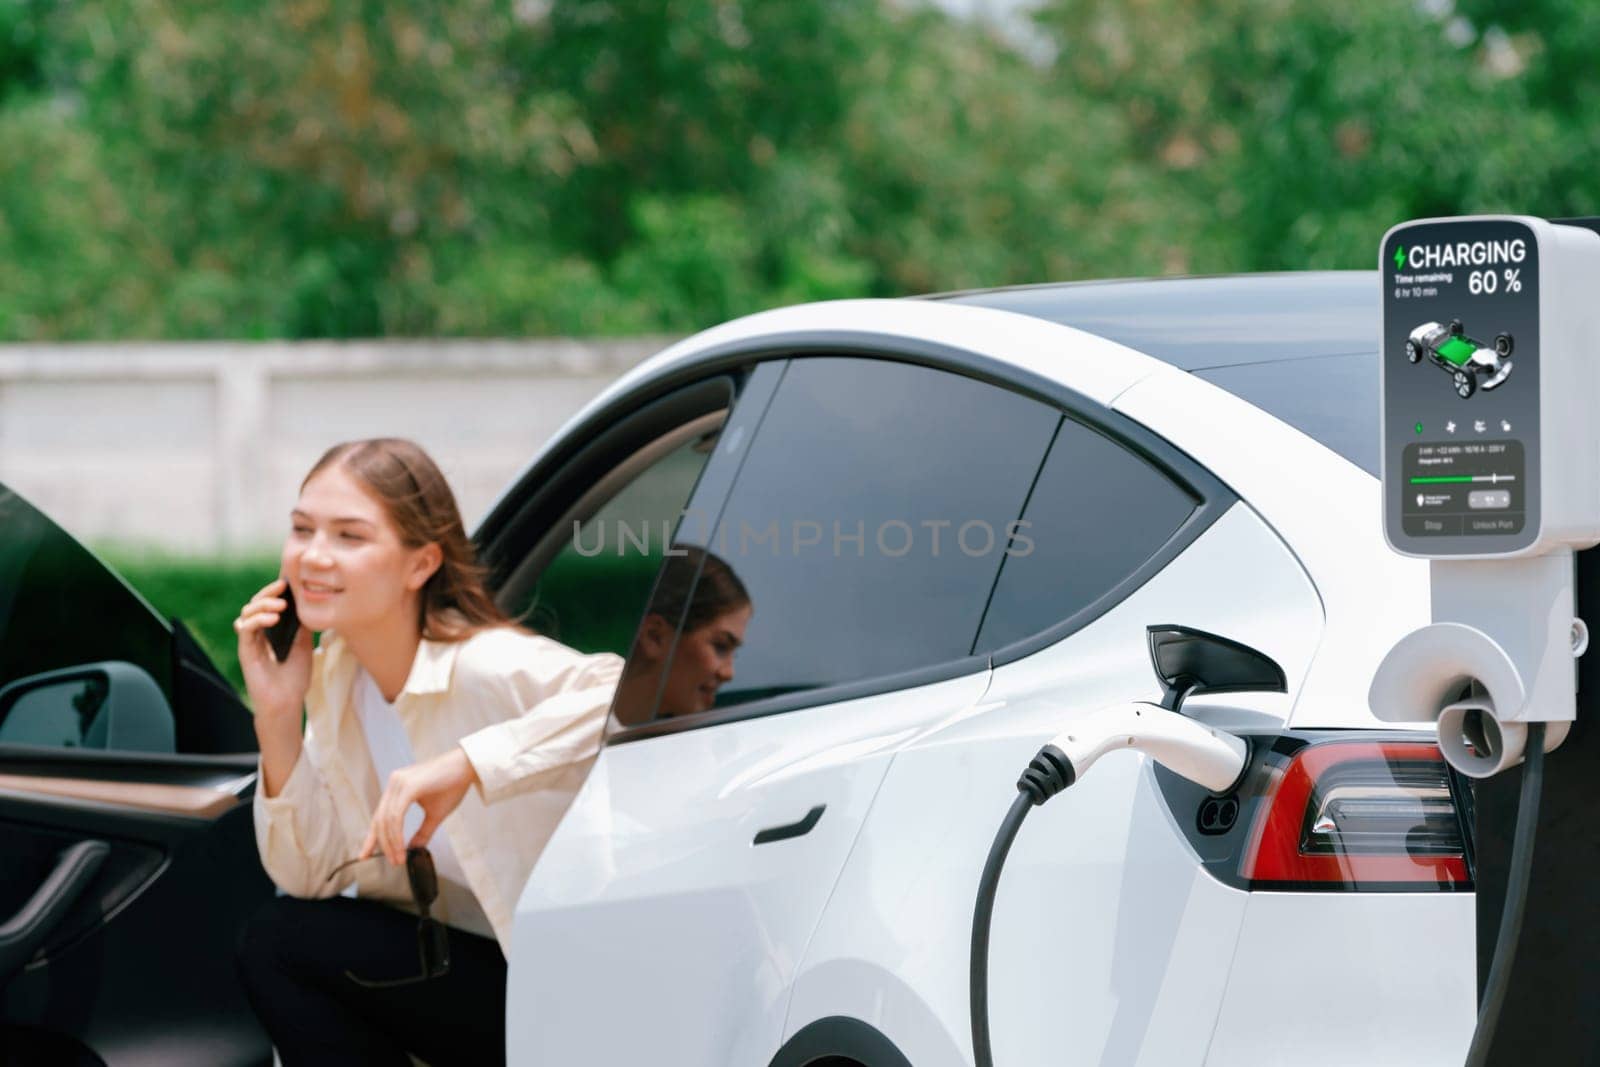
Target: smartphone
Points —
{"points": [[280, 635]]}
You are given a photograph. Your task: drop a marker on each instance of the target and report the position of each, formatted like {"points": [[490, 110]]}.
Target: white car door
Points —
{"points": [[657, 929], [867, 520]]}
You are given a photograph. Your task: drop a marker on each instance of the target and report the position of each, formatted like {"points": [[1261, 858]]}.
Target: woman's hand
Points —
{"points": [[277, 690], [437, 784]]}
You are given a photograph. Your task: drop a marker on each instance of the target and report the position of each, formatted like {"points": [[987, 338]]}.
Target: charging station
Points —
{"points": [[1491, 471]]}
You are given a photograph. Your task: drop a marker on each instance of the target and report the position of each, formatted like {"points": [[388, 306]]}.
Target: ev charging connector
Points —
{"points": [[1489, 366], [1187, 662]]}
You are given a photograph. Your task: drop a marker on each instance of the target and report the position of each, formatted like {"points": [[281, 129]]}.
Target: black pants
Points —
{"points": [[293, 955]]}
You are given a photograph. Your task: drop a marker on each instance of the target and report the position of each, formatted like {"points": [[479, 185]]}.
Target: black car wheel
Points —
{"points": [[1413, 352], [1466, 384], [1502, 345]]}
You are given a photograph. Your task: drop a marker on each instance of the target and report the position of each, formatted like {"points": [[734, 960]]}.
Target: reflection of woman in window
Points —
{"points": [[416, 663], [701, 662]]}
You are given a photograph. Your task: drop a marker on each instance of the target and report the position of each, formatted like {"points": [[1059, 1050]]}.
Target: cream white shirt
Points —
{"points": [[529, 713], [390, 750]]}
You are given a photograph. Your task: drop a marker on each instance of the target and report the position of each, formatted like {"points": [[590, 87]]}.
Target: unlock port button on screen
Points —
{"points": [[1489, 499]]}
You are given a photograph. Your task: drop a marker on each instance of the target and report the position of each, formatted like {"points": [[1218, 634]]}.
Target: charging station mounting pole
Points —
{"points": [[1549, 1014]]}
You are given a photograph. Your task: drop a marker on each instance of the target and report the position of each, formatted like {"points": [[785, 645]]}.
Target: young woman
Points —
{"points": [[422, 701]]}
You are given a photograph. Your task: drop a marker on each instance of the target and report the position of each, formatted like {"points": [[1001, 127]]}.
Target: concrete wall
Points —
{"points": [[199, 448]]}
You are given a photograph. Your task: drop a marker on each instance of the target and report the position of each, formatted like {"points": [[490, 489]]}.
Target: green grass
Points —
{"points": [[205, 593]]}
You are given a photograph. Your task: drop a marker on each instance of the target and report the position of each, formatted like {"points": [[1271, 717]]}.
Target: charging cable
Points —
{"points": [[1505, 944]]}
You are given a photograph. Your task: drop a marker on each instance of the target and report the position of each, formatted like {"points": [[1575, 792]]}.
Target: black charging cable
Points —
{"points": [[1048, 774], [1505, 944]]}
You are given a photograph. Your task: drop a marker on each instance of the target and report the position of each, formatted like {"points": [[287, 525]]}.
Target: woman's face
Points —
{"points": [[343, 557], [703, 663]]}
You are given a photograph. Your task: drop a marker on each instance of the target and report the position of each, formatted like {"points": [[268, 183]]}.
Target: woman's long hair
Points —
{"points": [[718, 591], [454, 603]]}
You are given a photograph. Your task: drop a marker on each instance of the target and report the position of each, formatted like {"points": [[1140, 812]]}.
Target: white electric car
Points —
{"points": [[943, 531], [956, 520]]}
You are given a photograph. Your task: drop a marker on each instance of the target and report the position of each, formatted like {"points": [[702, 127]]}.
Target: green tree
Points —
{"points": [[1304, 130], [345, 167]]}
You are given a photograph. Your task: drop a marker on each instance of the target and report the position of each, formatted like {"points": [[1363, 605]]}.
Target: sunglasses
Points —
{"points": [[433, 943]]}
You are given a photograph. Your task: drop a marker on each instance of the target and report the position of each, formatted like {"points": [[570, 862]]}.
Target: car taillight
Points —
{"points": [[1357, 815]]}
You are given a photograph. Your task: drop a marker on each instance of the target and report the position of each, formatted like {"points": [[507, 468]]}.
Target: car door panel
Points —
{"points": [[139, 969], [126, 775], [653, 893]]}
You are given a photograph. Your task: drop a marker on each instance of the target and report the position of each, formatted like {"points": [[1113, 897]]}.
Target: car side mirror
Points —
{"points": [[1190, 662], [112, 705]]}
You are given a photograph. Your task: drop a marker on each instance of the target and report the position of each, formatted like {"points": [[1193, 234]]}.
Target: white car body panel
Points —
{"points": [[651, 895], [1386, 979], [1105, 927], [893, 952], [1326, 508]]}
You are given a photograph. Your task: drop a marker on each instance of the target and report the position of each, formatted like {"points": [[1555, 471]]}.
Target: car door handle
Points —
{"points": [[794, 829], [23, 933]]}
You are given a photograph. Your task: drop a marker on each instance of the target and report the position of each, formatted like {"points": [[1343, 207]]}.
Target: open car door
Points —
{"points": [[127, 766]]}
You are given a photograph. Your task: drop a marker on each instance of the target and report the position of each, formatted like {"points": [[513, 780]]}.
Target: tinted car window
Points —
{"points": [[591, 594], [863, 533], [59, 607], [1098, 512]]}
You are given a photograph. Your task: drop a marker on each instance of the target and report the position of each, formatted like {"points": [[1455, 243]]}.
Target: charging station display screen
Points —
{"points": [[1461, 387]]}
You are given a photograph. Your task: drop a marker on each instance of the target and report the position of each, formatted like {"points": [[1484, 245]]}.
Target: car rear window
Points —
{"points": [[1097, 513], [1332, 399]]}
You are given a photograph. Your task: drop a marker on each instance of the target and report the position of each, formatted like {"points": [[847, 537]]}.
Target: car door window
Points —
{"points": [[860, 539], [590, 596], [61, 608], [1098, 512]]}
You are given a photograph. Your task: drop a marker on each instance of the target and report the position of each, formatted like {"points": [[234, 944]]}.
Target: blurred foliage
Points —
{"points": [[338, 168]]}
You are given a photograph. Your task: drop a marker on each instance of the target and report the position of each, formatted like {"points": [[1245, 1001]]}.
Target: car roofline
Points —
{"points": [[1132, 279]]}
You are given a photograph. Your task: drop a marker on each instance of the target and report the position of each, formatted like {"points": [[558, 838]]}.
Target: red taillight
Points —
{"points": [[1358, 814]]}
